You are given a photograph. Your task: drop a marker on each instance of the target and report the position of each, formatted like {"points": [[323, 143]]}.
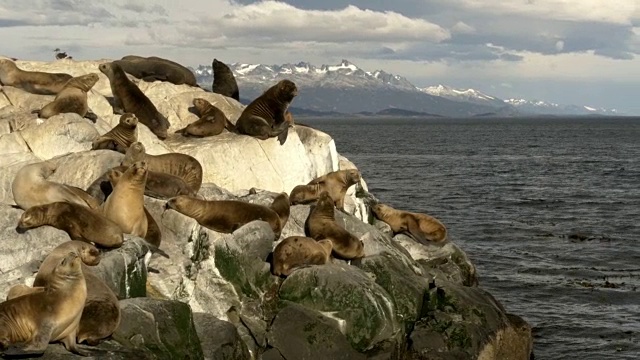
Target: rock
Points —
{"points": [[163, 327], [25, 100], [467, 322], [298, 333], [443, 261], [219, 339], [60, 135], [363, 309], [93, 163], [13, 143]]}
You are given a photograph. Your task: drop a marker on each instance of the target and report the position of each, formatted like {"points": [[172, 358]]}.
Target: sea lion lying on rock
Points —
{"points": [[30, 187], [335, 183], [421, 227], [211, 122], [297, 251], [35, 82], [78, 221], [120, 137], [47, 314], [72, 98], [181, 165], [264, 117], [321, 224], [225, 216], [154, 68]]}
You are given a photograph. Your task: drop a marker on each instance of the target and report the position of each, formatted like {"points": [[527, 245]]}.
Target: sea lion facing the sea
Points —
{"points": [[35, 82], [224, 83], [335, 183], [421, 227], [264, 117], [129, 98]]}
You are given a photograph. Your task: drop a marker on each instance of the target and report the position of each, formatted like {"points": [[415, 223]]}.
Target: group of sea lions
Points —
{"points": [[67, 302]]}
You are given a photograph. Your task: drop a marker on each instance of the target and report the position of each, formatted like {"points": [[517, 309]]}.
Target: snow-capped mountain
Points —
{"points": [[542, 107], [346, 88]]}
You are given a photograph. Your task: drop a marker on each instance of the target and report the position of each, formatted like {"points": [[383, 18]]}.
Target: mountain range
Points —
{"points": [[347, 89]]}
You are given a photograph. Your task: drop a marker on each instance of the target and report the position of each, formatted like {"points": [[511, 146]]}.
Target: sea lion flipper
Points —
{"points": [[118, 108], [38, 344], [415, 232], [230, 127]]}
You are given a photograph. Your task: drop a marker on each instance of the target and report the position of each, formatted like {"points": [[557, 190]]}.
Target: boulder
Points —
{"points": [[219, 339], [60, 135]]}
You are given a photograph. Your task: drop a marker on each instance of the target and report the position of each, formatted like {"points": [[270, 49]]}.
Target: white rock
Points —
{"points": [[59, 135], [82, 168]]}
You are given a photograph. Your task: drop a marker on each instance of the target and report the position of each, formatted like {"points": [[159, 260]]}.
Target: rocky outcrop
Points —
{"points": [[210, 295]]}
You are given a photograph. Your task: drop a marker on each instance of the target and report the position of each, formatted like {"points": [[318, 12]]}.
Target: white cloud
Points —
{"points": [[559, 45], [462, 28]]}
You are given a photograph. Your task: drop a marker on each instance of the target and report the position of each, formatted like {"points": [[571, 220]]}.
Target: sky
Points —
{"points": [[583, 52]]}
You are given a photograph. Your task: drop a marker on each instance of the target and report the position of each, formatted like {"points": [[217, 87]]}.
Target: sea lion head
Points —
{"points": [[89, 254], [324, 201], [177, 203], [129, 120], [70, 266], [106, 68], [134, 153], [114, 176], [201, 105], [381, 210], [31, 218], [352, 176], [286, 90], [6, 64], [47, 168], [327, 245], [139, 171], [218, 65]]}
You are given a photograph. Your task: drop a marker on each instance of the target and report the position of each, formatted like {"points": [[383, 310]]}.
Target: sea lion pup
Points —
{"points": [[421, 227], [159, 185], [264, 117], [101, 312], [120, 137], [125, 205], [181, 165], [224, 216], [322, 224], [129, 98], [35, 82], [296, 251], [30, 188], [29, 322], [76, 220], [224, 83], [72, 98], [211, 122], [154, 68], [335, 183], [282, 207]]}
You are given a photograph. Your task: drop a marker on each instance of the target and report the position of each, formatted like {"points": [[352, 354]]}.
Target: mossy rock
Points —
{"points": [[124, 269], [365, 311]]}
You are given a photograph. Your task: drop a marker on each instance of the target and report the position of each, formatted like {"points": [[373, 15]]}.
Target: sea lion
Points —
{"points": [[125, 205], [76, 220], [153, 235], [153, 68], [322, 224], [120, 137], [421, 227], [101, 312], [129, 98], [335, 183], [30, 188], [224, 83], [159, 185], [181, 165], [296, 251], [29, 322], [72, 98], [211, 122], [224, 216], [282, 207], [35, 82], [264, 117]]}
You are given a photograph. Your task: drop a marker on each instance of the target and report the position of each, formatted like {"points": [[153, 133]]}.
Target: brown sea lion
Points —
{"points": [[224, 216], [181, 165], [296, 251], [154, 68], [125, 205], [264, 117], [30, 188], [35, 82], [29, 322], [153, 235], [159, 185], [336, 184], [282, 207], [322, 224], [101, 312], [76, 220], [72, 98], [224, 83], [211, 122], [421, 227], [120, 137], [129, 98]]}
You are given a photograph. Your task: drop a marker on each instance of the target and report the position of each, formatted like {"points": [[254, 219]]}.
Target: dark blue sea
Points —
{"points": [[548, 209]]}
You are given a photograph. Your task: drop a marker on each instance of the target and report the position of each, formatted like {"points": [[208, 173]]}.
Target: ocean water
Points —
{"points": [[547, 209]]}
